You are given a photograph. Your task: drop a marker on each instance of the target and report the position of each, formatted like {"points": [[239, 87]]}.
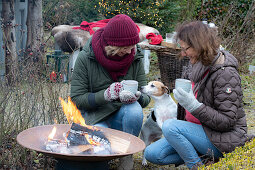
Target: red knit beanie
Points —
{"points": [[121, 31]]}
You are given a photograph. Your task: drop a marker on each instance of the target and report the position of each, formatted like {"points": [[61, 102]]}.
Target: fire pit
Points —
{"points": [[122, 143], [77, 141]]}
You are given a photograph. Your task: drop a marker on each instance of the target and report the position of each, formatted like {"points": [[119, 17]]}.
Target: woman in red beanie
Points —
{"points": [[108, 58]]}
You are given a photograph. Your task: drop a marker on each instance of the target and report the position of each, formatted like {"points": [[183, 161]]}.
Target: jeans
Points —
{"points": [[128, 119], [182, 143]]}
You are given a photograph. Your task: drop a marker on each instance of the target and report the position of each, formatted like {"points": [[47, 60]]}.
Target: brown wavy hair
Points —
{"points": [[200, 37]]}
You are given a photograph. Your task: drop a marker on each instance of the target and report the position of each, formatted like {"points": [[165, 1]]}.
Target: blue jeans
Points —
{"points": [[128, 119], [182, 143]]}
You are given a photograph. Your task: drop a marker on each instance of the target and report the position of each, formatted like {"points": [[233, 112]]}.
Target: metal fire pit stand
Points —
{"points": [[78, 165]]}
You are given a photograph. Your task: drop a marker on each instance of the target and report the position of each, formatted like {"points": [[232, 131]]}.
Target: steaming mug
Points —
{"points": [[130, 85], [184, 84]]}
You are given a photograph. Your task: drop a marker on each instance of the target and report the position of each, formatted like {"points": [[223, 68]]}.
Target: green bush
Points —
{"points": [[160, 14], [240, 158], [236, 24], [211, 9], [214, 10], [56, 12]]}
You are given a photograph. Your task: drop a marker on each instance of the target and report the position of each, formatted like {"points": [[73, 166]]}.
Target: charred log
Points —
{"points": [[77, 133]]}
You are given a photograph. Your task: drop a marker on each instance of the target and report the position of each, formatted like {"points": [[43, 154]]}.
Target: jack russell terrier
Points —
{"points": [[164, 108]]}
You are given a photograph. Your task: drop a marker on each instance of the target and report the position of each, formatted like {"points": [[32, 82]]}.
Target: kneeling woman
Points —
{"points": [[211, 118], [108, 58]]}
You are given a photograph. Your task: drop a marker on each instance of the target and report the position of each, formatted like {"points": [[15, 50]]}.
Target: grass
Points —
{"points": [[240, 158]]}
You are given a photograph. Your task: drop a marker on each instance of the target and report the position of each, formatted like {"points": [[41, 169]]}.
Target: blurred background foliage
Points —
{"points": [[153, 13], [235, 19], [211, 9], [221, 10], [162, 14]]}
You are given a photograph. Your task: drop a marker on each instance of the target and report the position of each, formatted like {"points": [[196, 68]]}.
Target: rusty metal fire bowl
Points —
{"points": [[124, 143]]}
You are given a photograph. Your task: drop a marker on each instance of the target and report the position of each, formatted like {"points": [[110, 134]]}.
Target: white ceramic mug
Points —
{"points": [[184, 84], [130, 85]]}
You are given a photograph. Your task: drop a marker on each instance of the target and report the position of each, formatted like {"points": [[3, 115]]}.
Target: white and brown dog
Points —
{"points": [[164, 108]]}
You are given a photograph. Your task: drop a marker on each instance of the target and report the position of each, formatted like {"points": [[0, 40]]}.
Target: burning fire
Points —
{"points": [[79, 131], [52, 134], [73, 114], [91, 141]]}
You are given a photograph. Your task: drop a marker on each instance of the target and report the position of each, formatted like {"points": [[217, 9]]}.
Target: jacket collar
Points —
{"points": [[225, 60]]}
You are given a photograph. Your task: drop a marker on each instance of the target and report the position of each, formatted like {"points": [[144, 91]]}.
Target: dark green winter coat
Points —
{"points": [[90, 80]]}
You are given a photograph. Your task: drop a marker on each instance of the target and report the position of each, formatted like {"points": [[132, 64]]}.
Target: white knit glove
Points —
{"points": [[128, 97], [186, 100], [112, 92]]}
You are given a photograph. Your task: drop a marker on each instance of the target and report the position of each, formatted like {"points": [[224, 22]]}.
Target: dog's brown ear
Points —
{"points": [[166, 90]]}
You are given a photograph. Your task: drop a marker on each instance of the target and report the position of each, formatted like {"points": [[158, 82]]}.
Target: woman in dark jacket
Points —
{"points": [[211, 116], [107, 59]]}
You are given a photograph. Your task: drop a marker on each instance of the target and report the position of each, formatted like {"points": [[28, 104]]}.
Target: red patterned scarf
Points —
{"points": [[116, 66]]}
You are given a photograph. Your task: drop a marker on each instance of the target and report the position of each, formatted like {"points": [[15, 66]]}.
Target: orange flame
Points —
{"points": [[73, 114], [91, 141], [52, 133]]}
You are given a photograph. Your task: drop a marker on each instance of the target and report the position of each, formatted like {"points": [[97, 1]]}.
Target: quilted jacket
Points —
{"points": [[221, 114], [90, 80]]}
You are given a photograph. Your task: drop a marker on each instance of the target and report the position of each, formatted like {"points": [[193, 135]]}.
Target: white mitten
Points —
{"points": [[112, 92], [186, 100], [128, 97]]}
